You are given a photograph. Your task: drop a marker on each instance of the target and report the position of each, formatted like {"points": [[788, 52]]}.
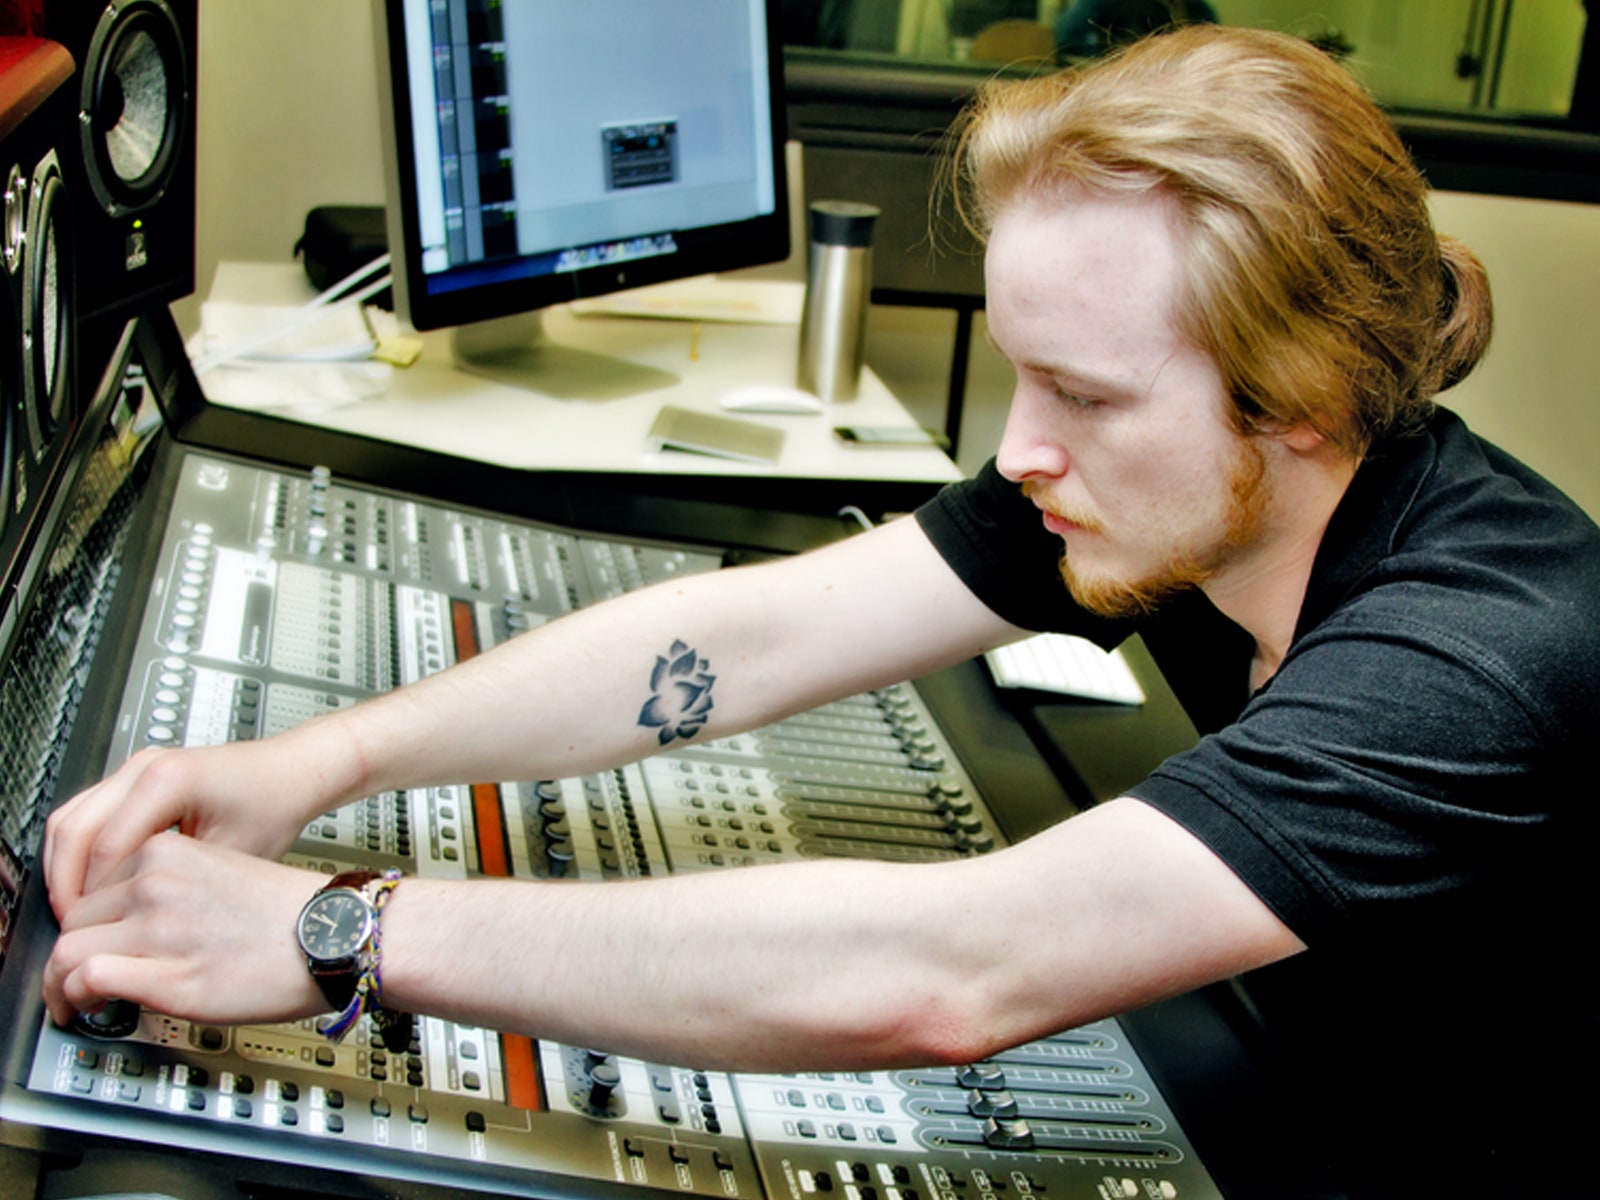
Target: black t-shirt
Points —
{"points": [[1407, 793]]}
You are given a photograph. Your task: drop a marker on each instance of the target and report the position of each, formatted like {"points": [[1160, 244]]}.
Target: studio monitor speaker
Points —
{"points": [[37, 310], [133, 166]]}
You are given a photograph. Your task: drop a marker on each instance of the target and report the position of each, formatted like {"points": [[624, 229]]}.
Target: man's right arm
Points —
{"points": [[694, 658]]}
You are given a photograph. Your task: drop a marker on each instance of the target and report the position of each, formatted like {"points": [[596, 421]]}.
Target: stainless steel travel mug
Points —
{"points": [[833, 325]]}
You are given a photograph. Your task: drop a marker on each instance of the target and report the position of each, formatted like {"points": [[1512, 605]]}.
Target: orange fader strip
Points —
{"points": [[465, 630], [522, 1072], [517, 1052], [494, 856]]}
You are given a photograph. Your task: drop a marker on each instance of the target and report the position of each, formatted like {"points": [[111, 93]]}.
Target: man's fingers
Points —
{"points": [[90, 836], [98, 979], [138, 937]]}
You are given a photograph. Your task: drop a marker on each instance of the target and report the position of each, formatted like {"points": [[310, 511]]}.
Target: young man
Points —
{"points": [[1211, 263]]}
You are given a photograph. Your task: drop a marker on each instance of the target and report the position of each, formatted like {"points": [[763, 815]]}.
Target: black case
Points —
{"points": [[339, 239]]}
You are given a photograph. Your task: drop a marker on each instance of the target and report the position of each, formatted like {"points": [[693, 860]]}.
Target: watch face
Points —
{"points": [[334, 925]]}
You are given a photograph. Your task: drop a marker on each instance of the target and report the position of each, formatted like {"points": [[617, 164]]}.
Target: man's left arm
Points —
{"points": [[845, 964]]}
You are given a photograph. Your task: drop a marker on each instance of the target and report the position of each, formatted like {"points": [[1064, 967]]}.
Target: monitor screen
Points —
{"points": [[545, 150]]}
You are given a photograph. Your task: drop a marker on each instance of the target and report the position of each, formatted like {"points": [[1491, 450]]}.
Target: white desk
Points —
{"points": [[434, 405]]}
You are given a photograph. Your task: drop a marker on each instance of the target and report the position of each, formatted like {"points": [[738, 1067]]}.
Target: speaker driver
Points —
{"points": [[10, 404], [133, 105], [16, 219], [47, 312], [13, 235]]}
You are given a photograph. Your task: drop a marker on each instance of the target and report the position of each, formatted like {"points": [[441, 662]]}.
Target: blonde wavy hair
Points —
{"points": [[1313, 273]]}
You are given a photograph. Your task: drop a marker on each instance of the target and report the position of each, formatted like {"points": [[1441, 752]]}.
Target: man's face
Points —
{"points": [[1118, 428]]}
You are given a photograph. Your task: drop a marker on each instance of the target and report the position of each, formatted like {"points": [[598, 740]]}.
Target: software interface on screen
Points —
{"points": [[553, 136]]}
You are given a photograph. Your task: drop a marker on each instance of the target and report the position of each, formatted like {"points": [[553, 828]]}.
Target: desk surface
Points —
{"points": [[435, 405]]}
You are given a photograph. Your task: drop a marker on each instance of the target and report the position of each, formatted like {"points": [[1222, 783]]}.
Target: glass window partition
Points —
{"points": [[1495, 96], [1507, 58]]}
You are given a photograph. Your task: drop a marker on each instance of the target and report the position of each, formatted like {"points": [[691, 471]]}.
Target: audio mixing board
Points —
{"points": [[277, 595], [176, 595]]}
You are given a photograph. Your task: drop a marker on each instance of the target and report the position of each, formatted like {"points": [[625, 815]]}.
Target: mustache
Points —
{"points": [[1043, 501]]}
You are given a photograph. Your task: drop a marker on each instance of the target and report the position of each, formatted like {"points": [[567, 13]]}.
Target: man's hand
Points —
{"points": [[191, 929], [237, 796]]}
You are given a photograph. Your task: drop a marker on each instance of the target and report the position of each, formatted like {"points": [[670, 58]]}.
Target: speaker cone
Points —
{"points": [[133, 104]]}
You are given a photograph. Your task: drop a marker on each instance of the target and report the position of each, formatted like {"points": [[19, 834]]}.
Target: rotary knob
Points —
{"points": [[604, 1079]]}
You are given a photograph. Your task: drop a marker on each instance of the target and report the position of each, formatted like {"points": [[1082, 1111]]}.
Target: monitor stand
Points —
{"points": [[515, 351]]}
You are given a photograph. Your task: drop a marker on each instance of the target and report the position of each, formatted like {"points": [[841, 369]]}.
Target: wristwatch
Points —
{"points": [[335, 933]]}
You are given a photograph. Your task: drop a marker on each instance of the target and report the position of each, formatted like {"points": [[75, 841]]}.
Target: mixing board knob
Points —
{"points": [[1000, 1104], [983, 1076], [558, 858], [604, 1079], [1007, 1135], [114, 1019], [955, 806]]}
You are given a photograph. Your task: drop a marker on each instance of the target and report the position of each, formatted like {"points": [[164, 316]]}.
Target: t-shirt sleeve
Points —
{"points": [[1390, 760]]}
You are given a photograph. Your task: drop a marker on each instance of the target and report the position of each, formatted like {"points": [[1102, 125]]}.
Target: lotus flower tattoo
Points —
{"points": [[682, 686]]}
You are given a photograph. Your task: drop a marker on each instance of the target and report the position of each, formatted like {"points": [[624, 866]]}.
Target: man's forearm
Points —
{"points": [[691, 659], [773, 968], [842, 965], [571, 697]]}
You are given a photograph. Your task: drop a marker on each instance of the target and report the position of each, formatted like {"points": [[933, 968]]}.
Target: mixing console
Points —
{"points": [[278, 596]]}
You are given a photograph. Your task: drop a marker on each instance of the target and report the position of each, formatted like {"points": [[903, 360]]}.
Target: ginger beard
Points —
{"points": [[1189, 563]]}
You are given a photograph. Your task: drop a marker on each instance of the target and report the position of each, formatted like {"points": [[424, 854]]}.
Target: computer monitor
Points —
{"points": [[543, 151]]}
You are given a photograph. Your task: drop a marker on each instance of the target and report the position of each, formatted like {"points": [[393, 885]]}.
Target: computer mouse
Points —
{"points": [[770, 398]]}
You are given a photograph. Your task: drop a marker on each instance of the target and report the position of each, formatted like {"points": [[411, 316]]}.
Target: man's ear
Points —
{"points": [[1303, 438]]}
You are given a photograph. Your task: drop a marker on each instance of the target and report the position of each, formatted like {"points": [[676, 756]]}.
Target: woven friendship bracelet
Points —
{"points": [[394, 1029]]}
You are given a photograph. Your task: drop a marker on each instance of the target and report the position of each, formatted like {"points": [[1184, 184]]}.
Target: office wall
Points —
{"points": [[1537, 392], [288, 120]]}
